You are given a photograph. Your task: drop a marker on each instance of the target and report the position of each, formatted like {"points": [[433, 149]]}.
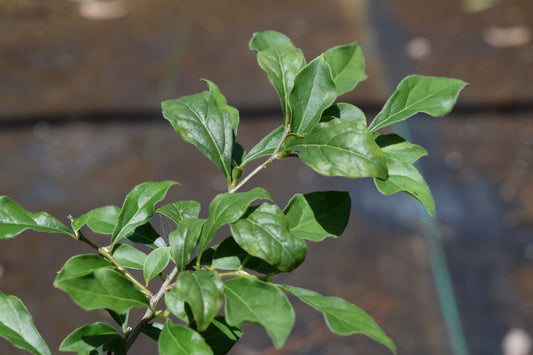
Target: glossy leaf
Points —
{"points": [[344, 111], [129, 256], [230, 256], [395, 147], [314, 91], [254, 301], [347, 66], [202, 290], [180, 210], [155, 263], [14, 220], [432, 95], [220, 336], [268, 39], [227, 208], [318, 215], [145, 234], [183, 240], [177, 306], [264, 233], [180, 340], [341, 148], [89, 337], [100, 220], [341, 316], [16, 325], [93, 283], [199, 121], [266, 146], [139, 207], [223, 105]]}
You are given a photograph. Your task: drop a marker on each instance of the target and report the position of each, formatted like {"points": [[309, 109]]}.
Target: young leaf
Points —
{"points": [[199, 120], [431, 95], [92, 283], [101, 220], [227, 208], [230, 256], [129, 256], [180, 210], [314, 91], [254, 301], [344, 111], [202, 290], [89, 337], [341, 316], [268, 39], [266, 146], [223, 105], [180, 340], [14, 220], [16, 325], [183, 240], [341, 148], [220, 336], [318, 215], [264, 233], [347, 66], [155, 262], [139, 206]]}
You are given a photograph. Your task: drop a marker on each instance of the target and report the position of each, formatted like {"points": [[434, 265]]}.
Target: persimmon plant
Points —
{"points": [[209, 290]]}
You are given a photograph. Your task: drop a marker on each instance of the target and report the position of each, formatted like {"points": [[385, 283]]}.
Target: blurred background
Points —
{"points": [[80, 126]]}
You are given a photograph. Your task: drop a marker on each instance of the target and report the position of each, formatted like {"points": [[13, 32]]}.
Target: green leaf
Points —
{"points": [[264, 233], [139, 207], [152, 330], [101, 220], [227, 208], [230, 256], [180, 210], [395, 147], [341, 148], [268, 39], [318, 215], [314, 91], [221, 336], [92, 283], [14, 220], [347, 66], [177, 306], [282, 63], [129, 256], [341, 316], [237, 157], [266, 146], [16, 325], [202, 290], [223, 105], [155, 262], [344, 111], [254, 301], [180, 340], [146, 234], [89, 337], [183, 240], [431, 95], [200, 121]]}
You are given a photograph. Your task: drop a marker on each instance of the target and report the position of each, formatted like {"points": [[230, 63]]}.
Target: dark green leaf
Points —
{"points": [[432, 95], [180, 210], [92, 283], [120, 319], [89, 337], [199, 120], [264, 233], [152, 330], [183, 240], [202, 290], [221, 336], [155, 262], [396, 147], [254, 301], [238, 156], [347, 66], [129, 256], [318, 215], [314, 91], [268, 39], [344, 111], [179, 340], [146, 234], [266, 146], [341, 148], [230, 256], [16, 325], [14, 220], [101, 220], [341, 316], [139, 207], [227, 208], [223, 105]]}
